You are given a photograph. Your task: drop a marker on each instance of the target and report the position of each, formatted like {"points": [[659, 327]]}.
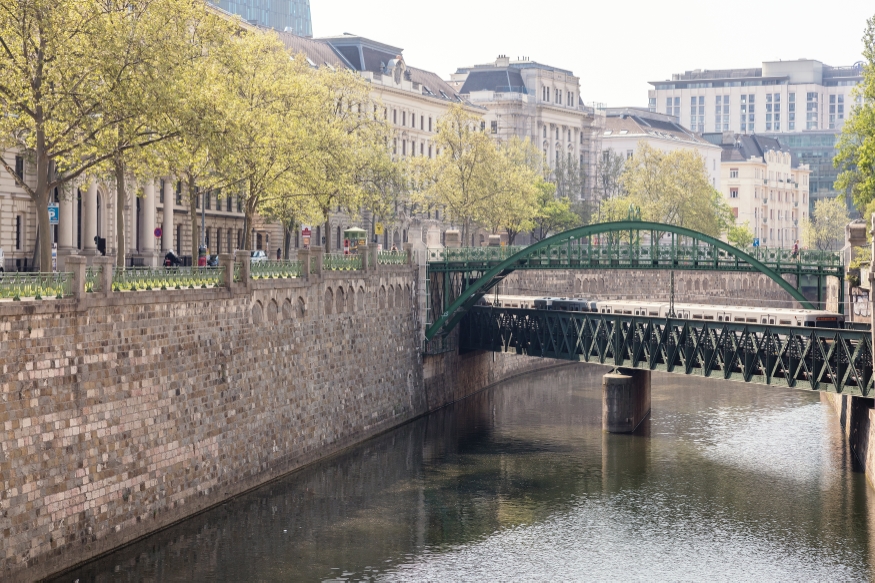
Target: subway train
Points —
{"points": [[735, 314]]}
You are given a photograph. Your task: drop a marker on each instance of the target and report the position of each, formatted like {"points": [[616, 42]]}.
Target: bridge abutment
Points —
{"points": [[625, 400]]}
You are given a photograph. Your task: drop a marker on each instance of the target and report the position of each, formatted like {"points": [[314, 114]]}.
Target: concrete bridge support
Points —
{"points": [[625, 400]]}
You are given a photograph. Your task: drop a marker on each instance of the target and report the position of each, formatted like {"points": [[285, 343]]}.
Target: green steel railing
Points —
{"points": [[152, 278], [17, 286], [93, 279], [274, 269], [341, 262], [392, 258]]}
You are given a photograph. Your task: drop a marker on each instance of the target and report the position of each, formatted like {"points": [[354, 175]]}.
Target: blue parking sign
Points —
{"points": [[54, 213], [756, 242]]}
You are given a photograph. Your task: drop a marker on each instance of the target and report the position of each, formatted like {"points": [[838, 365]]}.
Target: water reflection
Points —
{"points": [[724, 481]]}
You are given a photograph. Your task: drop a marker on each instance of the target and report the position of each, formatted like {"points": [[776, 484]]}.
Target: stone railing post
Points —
{"points": [[226, 264], [76, 264], [363, 253], [107, 267], [408, 250], [317, 256], [304, 258], [373, 259], [243, 258]]}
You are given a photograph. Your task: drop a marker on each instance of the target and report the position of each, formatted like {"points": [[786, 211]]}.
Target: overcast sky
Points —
{"points": [[615, 47]]}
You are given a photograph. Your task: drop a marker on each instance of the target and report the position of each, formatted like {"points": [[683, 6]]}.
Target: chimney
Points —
{"points": [[502, 61]]}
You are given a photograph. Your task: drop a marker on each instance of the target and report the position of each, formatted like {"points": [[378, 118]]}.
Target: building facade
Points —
{"points": [[626, 128], [531, 100], [413, 100], [803, 103], [281, 15], [766, 186]]}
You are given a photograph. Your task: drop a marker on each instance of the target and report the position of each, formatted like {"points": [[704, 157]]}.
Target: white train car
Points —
{"points": [[704, 312]]}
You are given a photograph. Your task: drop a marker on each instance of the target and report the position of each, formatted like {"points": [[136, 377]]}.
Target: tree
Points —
{"points": [[825, 230], [265, 100], [856, 147], [458, 178], [608, 176], [570, 179], [740, 236], [55, 105], [672, 188], [555, 214]]}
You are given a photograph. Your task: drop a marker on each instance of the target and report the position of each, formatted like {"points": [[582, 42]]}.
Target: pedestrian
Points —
{"points": [[394, 249], [796, 249], [279, 253]]}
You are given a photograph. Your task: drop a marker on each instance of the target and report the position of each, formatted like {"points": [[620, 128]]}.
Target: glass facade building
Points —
{"points": [[283, 15], [817, 149]]}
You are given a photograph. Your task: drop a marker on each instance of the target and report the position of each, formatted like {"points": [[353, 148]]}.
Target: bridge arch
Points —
{"points": [[454, 313]]}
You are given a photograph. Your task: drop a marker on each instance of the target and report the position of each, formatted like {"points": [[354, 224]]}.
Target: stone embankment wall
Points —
{"points": [[857, 416], [695, 287], [121, 413]]}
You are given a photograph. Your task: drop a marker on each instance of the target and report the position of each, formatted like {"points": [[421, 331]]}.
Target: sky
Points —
{"points": [[615, 47]]}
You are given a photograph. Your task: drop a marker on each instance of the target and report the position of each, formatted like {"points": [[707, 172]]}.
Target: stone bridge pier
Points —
{"points": [[625, 400]]}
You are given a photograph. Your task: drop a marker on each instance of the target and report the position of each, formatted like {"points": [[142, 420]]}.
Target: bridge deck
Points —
{"points": [[820, 359]]}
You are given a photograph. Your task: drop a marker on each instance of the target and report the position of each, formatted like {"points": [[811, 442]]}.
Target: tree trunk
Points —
{"points": [[248, 213], [289, 230], [41, 200], [327, 234], [121, 196], [193, 215]]}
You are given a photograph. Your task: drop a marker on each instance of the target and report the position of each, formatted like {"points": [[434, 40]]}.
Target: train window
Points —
{"points": [[627, 312], [719, 318], [654, 313], [753, 320], [771, 321], [785, 322], [741, 320], [764, 321], [697, 316], [709, 317], [637, 313]]}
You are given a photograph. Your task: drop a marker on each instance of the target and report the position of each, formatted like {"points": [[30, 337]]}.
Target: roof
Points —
{"points": [[746, 147], [504, 80], [319, 53], [631, 125], [432, 84]]}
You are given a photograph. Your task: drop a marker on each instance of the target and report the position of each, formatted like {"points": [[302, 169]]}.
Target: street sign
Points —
{"points": [[54, 213], [378, 229], [306, 233], [756, 242], [158, 232], [346, 246]]}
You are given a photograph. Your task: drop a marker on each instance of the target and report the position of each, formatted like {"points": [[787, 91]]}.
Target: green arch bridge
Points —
{"points": [[458, 277]]}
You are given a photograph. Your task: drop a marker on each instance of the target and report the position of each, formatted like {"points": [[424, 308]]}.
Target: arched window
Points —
{"points": [[341, 301], [339, 242], [258, 241], [329, 301], [390, 298]]}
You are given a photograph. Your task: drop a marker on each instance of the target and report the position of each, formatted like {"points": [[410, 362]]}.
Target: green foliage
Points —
{"points": [[856, 148], [825, 229], [740, 236]]}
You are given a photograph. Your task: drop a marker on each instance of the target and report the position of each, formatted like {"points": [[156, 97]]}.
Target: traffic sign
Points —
{"points": [[54, 213], [158, 232], [756, 242], [378, 229], [306, 233]]}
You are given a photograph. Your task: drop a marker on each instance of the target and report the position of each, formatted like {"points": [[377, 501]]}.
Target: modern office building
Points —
{"points": [[802, 103], [528, 99], [283, 15]]}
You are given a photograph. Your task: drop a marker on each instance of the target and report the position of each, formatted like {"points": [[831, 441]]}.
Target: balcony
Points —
{"points": [[765, 220], [765, 200], [765, 181]]}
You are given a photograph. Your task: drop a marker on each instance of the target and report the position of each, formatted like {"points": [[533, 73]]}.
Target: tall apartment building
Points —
{"points": [[804, 103], [543, 103], [282, 15]]}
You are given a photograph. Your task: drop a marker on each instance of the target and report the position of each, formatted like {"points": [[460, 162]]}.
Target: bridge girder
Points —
{"points": [[494, 274]]}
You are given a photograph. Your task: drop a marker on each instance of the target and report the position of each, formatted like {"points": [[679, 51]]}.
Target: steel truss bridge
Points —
{"points": [[820, 359], [458, 277]]}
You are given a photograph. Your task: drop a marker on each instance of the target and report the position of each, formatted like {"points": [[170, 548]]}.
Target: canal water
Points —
{"points": [[725, 481]]}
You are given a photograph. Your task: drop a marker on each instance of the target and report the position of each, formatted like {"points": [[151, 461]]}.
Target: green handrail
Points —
{"points": [[152, 278], [18, 285]]}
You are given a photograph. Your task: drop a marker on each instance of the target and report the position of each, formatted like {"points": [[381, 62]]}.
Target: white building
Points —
{"points": [[766, 187], [782, 96], [626, 128], [527, 99]]}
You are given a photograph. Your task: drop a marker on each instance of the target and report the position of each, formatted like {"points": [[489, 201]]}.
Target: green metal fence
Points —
{"points": [[18, 286], [341, 262], [274, 269], [392, 258], [152, 278], [92, 279]]}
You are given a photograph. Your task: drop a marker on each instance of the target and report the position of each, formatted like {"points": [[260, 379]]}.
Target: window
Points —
{"points": [[421, 148], [557, 133], [721, 112], [228, 204], [179, 192], [482, 126], [178, 237], [429, 124], [404, 118], [673, 106], [629, 154], [697, 113], [733, 172], [19, 234], [395, 116], [239, 204], [161, 192], [403, 147], [19, 167], [208, 201], [651, 104], [493, 126]]}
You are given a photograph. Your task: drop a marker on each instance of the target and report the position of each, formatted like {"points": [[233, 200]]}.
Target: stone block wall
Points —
{"points": [[857, 416], [123, 413]]}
